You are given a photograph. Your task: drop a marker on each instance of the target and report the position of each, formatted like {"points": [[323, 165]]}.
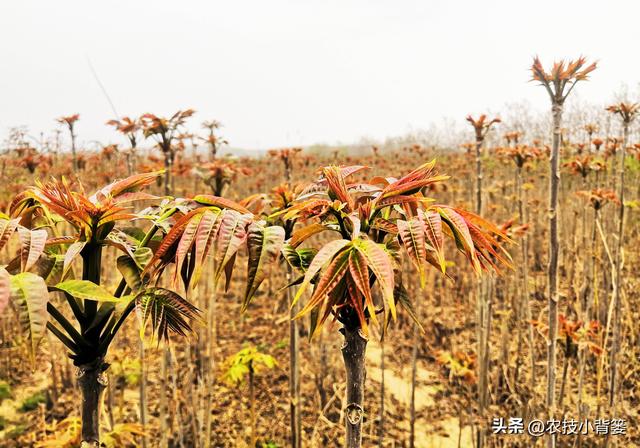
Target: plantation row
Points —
{"points": [[355, 250]]}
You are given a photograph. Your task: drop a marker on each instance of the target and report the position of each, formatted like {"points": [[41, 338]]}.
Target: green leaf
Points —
{"points": [[130, 271], [314, 317], [142, 256], [167, 312], [136, 233], [85, 289], [237, 366], [29, 295], [402, 296], [53, 273], [295, 282], [298, 258], [263, 244]]}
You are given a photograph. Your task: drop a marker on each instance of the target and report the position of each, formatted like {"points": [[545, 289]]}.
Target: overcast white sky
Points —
{"points": [[287, 72]]}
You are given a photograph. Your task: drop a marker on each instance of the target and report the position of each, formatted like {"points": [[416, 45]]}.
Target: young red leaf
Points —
{"points": [[360, 275], [322, 258], [263, 244], [412, 234], [204, 240], [381, 264], [433, 231], [461, 234], [231, 234], [328, 280]]}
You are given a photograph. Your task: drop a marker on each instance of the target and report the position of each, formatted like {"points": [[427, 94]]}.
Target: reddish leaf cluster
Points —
{"points": [[377, 222], [563, 75], [598, 197], [626, 111]]}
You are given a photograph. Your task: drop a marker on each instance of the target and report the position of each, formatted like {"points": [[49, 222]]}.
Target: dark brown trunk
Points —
{"points": [[353, 354], [92, 381]]}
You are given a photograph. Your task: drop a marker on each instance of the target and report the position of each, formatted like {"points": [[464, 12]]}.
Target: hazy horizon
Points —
{"points": [[288, 73]]}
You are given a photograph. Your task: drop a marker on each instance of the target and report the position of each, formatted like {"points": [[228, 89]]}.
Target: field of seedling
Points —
{"points": [[164, 293]]}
